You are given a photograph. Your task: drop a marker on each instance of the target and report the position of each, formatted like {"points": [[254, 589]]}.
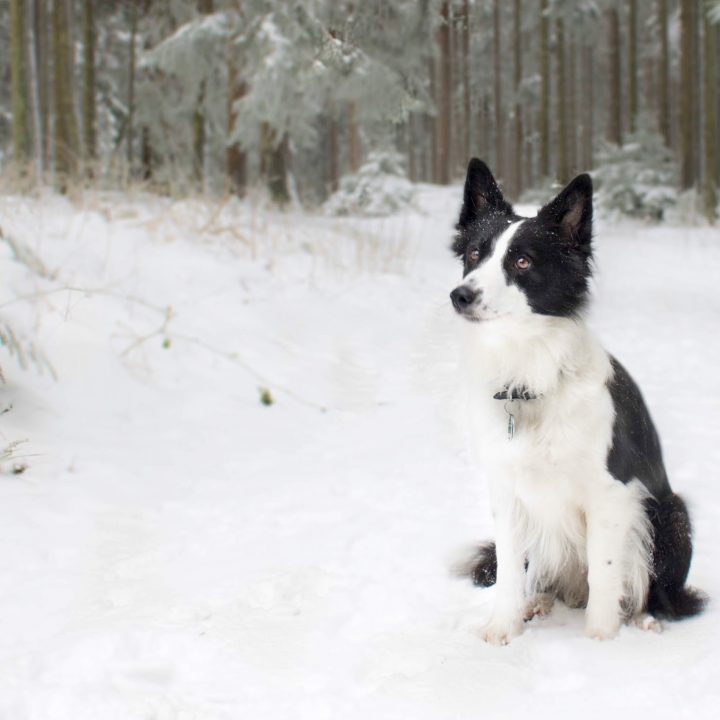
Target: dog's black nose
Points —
{"points": [[462, 298]]}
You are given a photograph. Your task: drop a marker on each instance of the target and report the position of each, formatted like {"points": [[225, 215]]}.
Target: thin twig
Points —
{"points": [[235, 358]]}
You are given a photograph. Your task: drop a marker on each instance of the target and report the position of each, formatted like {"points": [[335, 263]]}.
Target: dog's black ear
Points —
{"points": [[572, 210], [482, 194]]}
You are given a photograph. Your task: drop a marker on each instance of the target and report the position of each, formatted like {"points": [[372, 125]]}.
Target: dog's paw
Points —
{"points": [[601, 632], [602, 622], [648, 623], [500, 633], [538, 605]]}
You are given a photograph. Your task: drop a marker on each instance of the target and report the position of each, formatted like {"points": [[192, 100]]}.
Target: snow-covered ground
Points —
{"points": [[177, 549]]}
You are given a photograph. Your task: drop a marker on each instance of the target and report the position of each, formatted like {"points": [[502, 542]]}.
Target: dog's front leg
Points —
{"points": [[507, 618], [606, 546]]}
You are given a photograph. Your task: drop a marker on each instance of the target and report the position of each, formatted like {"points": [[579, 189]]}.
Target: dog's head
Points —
{"points": [[515, 267]]}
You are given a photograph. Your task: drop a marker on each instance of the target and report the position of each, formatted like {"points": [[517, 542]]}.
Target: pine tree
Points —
{"points": [[572, 57], [563, 172], [89, 114], [42, 51], [354, 149], [34, 89], [273, 165], [614, 122], [687, 81], [205, 7], [587, 108], [20, 87], [236, 156], [663, 78], [467, 123], [498, 85], [67, 146], [132, 13], [518, 120], [632, 64], [544, 111], [445, 97], [710, 107]]}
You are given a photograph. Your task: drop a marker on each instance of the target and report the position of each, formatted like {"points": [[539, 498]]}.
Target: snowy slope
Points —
{"points": [[179, 550]]}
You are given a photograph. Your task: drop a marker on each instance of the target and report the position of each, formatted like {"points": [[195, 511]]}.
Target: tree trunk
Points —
{"points": [[457, 136], [445, 108], [205, 7], [132, 10], [710, 78], [588, 107], [486, 129], [614, 124], [467, 152], [632, 65], [354, 151], [34, 91], [22, 144], [499, 115], [529, 152], [687, 80], [333, 159], [544, 113], [146, 154], [89, 121], [518, 124], [572, 120], [562, 141], [66, 133], [273, 164], [198, 132], [434, 122], [410, 142], [41, 49], [663, 74], [235, 156]]}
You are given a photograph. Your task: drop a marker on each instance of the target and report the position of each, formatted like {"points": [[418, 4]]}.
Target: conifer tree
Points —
{"points": [[20, 87], [67, 146]]}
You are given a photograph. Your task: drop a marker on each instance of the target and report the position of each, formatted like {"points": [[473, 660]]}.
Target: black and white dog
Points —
{"points": [[581, 501]]}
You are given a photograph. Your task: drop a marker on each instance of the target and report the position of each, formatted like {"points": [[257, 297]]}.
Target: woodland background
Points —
{"points": [[233, 469], [218, 96]]}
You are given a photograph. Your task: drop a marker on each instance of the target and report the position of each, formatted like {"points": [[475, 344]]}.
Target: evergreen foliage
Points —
{"points": [[216, 95], [379, 188], [637, 179]]}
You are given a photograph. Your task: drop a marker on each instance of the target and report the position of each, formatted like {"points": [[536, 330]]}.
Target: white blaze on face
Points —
{"points": [[498, 298]]}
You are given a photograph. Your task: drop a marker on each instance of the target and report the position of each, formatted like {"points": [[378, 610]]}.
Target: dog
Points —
{"points": [[581, 502]]}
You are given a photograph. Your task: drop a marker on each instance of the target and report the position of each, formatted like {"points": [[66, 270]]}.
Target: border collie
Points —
{"points": [[582, 506]]}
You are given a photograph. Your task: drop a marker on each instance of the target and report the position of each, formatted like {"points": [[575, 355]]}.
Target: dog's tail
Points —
{"points": [[480, 565], [669, 597], [676, 603]]}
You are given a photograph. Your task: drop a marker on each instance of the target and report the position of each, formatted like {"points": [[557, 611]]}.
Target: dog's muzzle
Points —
{"points": [[463, 298]]}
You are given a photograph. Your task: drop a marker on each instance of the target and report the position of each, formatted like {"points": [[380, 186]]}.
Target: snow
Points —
{"points": [[179, 550]]}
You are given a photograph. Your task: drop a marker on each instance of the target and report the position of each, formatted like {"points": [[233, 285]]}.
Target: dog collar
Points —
{"points": [[517, 393]]}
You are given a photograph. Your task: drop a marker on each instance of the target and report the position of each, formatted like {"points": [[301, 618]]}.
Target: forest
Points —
{"points": [[218, 96], [236, 468]]}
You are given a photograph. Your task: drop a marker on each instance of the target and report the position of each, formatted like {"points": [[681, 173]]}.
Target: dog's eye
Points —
{"points": [[474, 255], [523, 263]]}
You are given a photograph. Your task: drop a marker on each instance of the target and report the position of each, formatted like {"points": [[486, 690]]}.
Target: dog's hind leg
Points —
{"points": [[669, 597], [645, 621], [539, 605]]}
